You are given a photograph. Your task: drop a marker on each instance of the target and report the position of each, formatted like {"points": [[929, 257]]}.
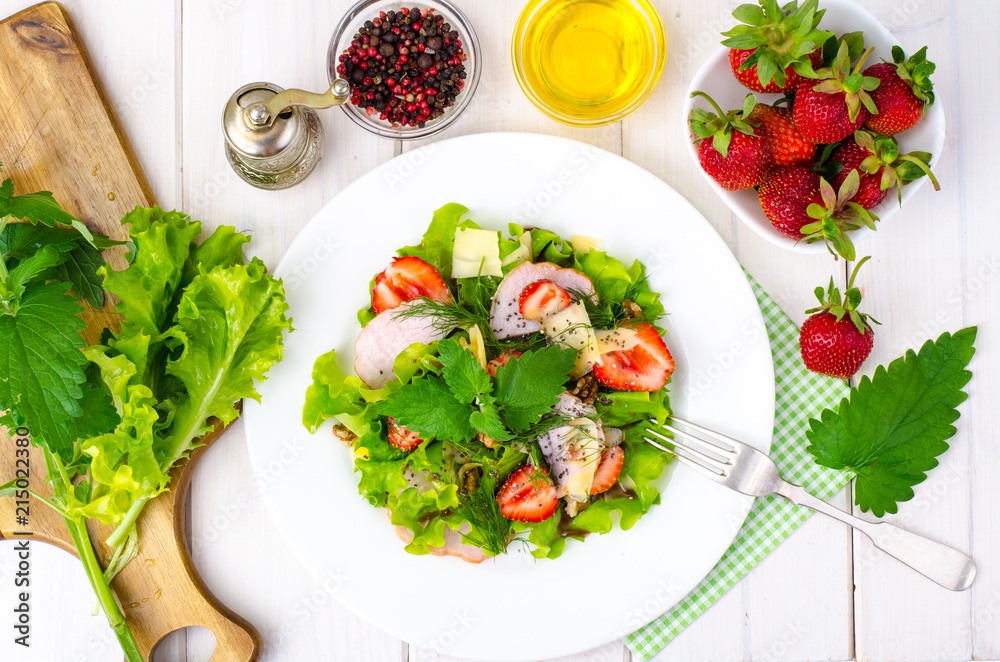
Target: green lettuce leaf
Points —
{"points": [[228, 330], [147, 287], [123, 463], [643, 464], [620, 408], [614, 284], [549, 247]]}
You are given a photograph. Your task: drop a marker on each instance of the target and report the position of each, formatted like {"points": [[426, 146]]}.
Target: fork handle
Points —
{"points": [[945, 565]]}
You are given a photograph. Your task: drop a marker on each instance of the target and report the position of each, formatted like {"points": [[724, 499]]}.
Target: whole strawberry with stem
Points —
{"points": [[829, 110], [785, 145], [776, 48], [880, 167], [804, 206], [837, 338], [728, 148], [905, 90]]}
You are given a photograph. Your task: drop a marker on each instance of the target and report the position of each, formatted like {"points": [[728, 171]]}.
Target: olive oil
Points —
{"points": [[589, 60]]}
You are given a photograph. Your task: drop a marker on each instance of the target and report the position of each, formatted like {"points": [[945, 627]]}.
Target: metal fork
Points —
{"points": [[745, 469]]}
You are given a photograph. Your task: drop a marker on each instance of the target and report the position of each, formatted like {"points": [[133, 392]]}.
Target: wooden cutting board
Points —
{"points": [[60, 133]]}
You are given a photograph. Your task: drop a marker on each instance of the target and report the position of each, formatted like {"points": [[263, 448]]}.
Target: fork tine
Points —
{"points": [[730, 443], [703, 470], [714, 463], [705, 447]]}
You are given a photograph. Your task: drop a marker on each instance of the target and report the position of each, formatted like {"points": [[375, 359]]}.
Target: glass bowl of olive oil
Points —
{"points": [[588, 62]]}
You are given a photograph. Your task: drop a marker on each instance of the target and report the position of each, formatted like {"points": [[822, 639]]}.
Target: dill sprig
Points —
{"points": [[490, 529], [612, 314]]}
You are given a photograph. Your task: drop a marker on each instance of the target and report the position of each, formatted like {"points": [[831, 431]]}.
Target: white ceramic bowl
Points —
{"points": [[716, 79]]}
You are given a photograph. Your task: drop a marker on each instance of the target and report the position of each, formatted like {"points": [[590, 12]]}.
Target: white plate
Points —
{"points": [[715, 78], [513, 608]]}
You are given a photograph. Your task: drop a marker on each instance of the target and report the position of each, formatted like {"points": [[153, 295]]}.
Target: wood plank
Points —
{"points": [[235, 38], [919, 260]]}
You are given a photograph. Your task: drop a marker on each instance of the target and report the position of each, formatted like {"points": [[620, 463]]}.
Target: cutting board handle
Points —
{"points": [[188, 601]]}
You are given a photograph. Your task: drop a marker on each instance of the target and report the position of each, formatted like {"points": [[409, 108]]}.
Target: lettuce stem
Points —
{"points": [[77, 526]]}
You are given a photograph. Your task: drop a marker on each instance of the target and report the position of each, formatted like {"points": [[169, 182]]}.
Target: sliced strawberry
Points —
{"points": [[541, 299], [405, 279], [402, 438], [529, 495], [645, 367], [608, 468], [500, 361]]}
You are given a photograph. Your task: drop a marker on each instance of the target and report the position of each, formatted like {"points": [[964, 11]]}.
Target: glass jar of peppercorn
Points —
{"points": [[413, 68]]}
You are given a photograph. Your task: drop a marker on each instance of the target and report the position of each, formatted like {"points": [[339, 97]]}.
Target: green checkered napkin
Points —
{"points": [[799, 396]]}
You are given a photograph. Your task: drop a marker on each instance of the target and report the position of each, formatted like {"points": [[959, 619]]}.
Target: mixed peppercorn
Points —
{"points": [[405, 66]]}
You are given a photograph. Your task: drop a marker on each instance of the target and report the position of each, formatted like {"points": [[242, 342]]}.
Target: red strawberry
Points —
{"points": [[542, 298], [784, 197], [836, 339], [608, 469], [529, 495], [500, 361], [785, 145], [402, 438], [802, 205], [405, 279], [750, 76], [880, 167], [904, 90], [645, 367], [837, 105], [777, 45], [735, 157]]}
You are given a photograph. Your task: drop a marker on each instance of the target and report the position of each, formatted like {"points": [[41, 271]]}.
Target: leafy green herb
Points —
{"points": [[429, 407], [891, 428], [528, 387], [490, 529]]}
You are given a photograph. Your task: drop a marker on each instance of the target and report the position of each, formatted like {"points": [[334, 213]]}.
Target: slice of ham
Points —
{"points": [[505, 315], [453, 545], [381, 341]]}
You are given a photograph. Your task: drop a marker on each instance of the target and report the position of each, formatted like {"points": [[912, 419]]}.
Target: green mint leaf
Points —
{"points": [[28, 270], [38, 207], [42, 365], [80, 271], [429, 407], [892, 427], [487, 420], [6, 191], [462, 372], [527, 387]]}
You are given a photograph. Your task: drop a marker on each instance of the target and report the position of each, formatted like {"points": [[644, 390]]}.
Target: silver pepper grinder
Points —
{"points": [[274, 138]]}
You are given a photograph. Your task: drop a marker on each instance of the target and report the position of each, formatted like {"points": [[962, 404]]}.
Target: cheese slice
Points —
{"points": [[572, 328], [477, 253], [583, 450], [583, 244], [621, 339]]}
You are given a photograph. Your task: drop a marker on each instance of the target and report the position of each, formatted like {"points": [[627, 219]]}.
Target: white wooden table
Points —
{"points": [[823, 595]]}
